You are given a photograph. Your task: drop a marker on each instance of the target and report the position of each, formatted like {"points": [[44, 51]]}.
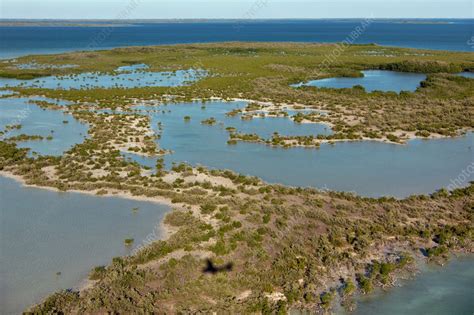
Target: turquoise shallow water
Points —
{"points": [[35, 66], [367, 167], [469, 75], [446, 290], [44, 232], [373, 80], [7, 93], [36, 121], [134, 67], [124, 78]]}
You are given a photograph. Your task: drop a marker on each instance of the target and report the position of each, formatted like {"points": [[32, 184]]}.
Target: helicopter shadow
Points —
{"points": [[211, 268]]}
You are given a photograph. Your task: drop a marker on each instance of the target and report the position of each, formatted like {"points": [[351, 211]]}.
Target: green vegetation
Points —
{"points": [[423, 66], [210, 121], [10, 154], [279, 239], [264, 72], [97, 273], [436, 251], [327, 298], [365, 284], [349, 288], [24, 137], [285, 245], [128, 241]]}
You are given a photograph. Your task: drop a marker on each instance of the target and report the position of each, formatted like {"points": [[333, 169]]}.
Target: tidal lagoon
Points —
{"points": [[51, 241]]}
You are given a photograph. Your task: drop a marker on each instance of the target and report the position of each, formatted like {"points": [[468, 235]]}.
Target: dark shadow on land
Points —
{"points": [[213, 269], [424, 252]]}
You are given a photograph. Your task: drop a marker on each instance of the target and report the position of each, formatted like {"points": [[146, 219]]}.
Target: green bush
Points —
{"points": [[326, 299], [365, 284], [348, 288], [179, 218], [219, 248], [97, 273], [208, 208]]}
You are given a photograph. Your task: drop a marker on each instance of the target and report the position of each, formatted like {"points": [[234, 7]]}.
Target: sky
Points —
{"points": [[234, 9]]}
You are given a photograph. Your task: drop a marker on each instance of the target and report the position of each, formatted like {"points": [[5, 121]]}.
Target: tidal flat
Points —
{"points": [[269, 245], [428, 293], [50, 240], [373, 80], [368, 168], [123, 78], [44, 132]]}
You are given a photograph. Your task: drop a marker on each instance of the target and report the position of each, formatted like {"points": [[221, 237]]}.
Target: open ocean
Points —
{"points": [[455, 35]]}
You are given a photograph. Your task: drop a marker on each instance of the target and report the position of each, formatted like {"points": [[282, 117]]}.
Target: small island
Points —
{"points": [[235, 243]]}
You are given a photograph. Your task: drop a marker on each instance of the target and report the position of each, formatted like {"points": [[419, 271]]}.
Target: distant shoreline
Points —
{"points": [[130, 22], [61, 36]]}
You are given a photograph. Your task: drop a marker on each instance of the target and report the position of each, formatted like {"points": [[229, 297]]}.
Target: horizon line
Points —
{"points": [[240, 19]]}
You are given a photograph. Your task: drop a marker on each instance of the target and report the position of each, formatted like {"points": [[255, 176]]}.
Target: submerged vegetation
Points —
{"points": [[289, 247], [237, 244], [263, 72]]}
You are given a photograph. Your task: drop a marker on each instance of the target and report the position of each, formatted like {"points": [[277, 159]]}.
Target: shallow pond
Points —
{"points": [[437, 290], [121, 79], [37, 66], [63, 128], [373, 80], [368, 168], [44, 233], [134, 67], [174, 114], [469, 75], [7, 93]]}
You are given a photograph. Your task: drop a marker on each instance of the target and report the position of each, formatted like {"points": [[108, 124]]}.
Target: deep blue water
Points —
{"points": [[448, 35], [45, 232]]}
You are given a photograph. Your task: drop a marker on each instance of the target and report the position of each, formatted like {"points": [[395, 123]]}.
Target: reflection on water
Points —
{"points": [[373, 80]]}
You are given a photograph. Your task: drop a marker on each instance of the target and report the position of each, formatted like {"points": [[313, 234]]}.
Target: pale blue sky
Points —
{"points": [[111, 9]]}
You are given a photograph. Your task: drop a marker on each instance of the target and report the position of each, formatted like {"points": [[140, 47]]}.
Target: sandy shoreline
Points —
{"points": [[407, 135], [118, 194], [165, 231]]}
